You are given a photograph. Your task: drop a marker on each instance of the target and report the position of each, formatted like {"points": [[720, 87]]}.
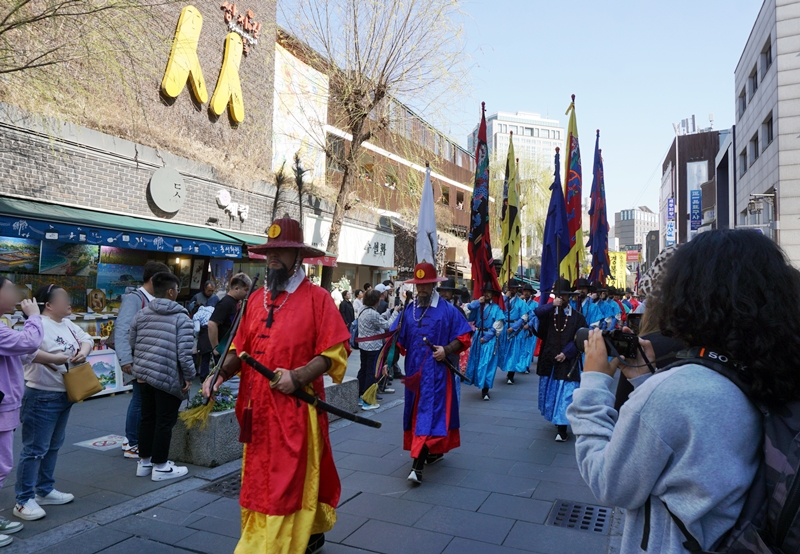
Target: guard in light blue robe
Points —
{"points": [[531, 325], [488, 319], [512, 342]]}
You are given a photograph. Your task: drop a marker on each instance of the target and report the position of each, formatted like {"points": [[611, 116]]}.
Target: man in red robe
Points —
{"points": [[290, 487]]}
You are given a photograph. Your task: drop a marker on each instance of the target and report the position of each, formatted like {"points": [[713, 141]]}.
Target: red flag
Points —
{"points": [[480, 244]]}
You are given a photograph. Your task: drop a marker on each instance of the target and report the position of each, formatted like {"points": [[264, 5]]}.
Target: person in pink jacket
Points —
{"points": [[14, 345]]}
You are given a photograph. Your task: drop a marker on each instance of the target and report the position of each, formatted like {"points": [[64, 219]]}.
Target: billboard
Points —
{"points": [[301, 113]]}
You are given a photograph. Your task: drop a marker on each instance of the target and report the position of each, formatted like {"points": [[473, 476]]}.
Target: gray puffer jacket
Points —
{"points": [[162, 340]]}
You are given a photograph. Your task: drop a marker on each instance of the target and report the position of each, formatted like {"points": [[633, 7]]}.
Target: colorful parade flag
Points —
{"points": [[480, 244], [598, 219], [573, 195], [617, 275], [510, 217], [427, 239], [556, 235]]}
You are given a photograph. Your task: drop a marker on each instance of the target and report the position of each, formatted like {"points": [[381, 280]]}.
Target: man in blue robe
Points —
{"points": [[430, 419], [585, 301], [531, 325], [488, 318], [512, 342]]}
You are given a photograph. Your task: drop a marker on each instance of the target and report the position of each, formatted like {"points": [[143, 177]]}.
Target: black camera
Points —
{"points": [[618, 343]]}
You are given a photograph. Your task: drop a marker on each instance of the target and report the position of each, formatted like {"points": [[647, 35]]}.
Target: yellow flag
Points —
{"points": [[618, 272], [510, 218], [573, 264]]}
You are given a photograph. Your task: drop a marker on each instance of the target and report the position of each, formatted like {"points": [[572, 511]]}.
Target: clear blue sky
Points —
{"points": [[635, 68]]}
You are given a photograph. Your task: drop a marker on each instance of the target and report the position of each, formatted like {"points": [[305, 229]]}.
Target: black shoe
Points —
{"points": [[433, 458], [315, 543], [562, 437], [415, 476]]}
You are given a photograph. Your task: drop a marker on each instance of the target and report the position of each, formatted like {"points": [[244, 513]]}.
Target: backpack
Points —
{"points": [[768, 521], [354, 334], [111, 340]]}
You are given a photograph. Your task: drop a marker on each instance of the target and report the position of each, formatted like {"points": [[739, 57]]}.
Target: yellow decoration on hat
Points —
{"points": [[274, 231], [420, 273]]}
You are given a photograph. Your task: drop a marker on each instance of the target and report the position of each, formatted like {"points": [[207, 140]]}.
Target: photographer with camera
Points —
{"points": [[558, 368], [681, 454]]}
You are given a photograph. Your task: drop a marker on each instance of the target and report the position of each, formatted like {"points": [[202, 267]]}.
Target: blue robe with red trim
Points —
{"points": [[431, 406]]}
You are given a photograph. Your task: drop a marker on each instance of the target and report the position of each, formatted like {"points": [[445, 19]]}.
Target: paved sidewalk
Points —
{"points": [[493, 495]]}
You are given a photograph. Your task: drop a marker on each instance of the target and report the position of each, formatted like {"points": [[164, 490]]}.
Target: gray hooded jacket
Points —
{"points": [[162, 340]]}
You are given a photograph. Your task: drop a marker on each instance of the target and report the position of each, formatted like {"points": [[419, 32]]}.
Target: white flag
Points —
{"points": [[427, 240]]}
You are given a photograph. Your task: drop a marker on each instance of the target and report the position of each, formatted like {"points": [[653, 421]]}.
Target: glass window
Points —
{"points": [[513, 129], [766, 57], [767, 132], [536, 132], [446, 196], [743, 163], [753, 82], [546, 133], [528, 132], [742, 103], [754, 151]]}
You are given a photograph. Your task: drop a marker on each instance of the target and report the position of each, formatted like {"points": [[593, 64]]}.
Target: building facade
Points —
{"points": [[688, 168], [535, 137], [632, 226], [767, 149]]}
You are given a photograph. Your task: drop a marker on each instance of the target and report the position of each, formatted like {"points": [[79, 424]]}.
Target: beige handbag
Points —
{"points": [[81, 382]]}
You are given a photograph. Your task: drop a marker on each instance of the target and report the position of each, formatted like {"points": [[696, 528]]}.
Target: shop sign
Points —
{"points": [[670, 209], [696, 207], [670, 233], [83, 234], [184, 63], [357, 245], [167, 190]]}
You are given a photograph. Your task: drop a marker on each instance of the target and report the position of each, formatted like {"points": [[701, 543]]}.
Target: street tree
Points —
{"points": [[374, 51]]}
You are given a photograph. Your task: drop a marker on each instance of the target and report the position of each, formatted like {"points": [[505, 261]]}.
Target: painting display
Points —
{"points": [[104, 364], [19, 255], [63, 258], [221, 273], [197, 274], [123, 256], [185, 274], [117, 279]]}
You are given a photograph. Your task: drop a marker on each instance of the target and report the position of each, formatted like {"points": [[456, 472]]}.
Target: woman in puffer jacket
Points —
{"points": [[162, 340]]}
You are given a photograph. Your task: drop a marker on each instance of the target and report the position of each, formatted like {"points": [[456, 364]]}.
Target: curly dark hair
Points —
{"points": [[735, 292]]}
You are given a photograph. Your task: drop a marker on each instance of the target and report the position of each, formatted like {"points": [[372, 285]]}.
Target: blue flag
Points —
{"points": [[598, 220], [556, 235]]}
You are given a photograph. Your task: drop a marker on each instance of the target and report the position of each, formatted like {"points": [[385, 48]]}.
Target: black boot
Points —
{"points": [[315, 543], [485, 393], [419, 464], [510, 378], [562, 435]]}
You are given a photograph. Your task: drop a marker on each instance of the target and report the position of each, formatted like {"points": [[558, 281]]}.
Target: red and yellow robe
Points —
{"points": [[290, 487]]}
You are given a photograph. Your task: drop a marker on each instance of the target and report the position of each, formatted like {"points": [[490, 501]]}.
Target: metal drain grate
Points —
{"points": [[581, 517], [228, 487]]}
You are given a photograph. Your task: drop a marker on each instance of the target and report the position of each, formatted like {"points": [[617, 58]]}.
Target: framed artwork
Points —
{"points": [[197, 274]]}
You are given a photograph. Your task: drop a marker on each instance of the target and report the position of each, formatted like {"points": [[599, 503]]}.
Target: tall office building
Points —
{"points": [[535, 137], [766, 152], [631, 227]]}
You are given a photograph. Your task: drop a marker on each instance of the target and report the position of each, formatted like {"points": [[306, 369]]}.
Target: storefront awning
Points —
{"points": [[44, 221]]}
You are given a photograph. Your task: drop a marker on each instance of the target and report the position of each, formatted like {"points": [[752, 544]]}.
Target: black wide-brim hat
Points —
{"points": [[565, 288], [583, 283], [450, 284], [489, 287]]}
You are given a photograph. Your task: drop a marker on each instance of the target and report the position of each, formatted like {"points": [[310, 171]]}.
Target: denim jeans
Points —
{"points": [[44, 418], [134, 415]]}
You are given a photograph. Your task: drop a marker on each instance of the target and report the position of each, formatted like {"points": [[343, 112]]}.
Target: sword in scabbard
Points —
{"points": [[448, 364], [301, 394]]}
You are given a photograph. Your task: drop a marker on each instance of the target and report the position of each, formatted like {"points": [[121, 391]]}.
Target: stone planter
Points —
{"points": [[219, 442]]}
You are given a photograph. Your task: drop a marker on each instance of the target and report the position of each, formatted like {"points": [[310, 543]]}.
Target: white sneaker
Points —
{"points": [[132, 452], [561, 438], [415, 477], [367, 407], [5, 540], [55, 498], [486, 397], [30, 511], [171, 472], [509, 382], [9, 527], [125, 444], [143, 470]]}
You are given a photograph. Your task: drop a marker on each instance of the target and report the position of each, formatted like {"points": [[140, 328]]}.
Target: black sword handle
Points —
{"points": [[301, 394], [448, 364]]}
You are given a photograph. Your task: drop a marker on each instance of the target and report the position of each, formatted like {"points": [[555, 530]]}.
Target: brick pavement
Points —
{"points": [[493, 495]]}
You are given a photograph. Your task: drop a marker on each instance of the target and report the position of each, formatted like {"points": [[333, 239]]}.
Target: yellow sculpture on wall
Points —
{"points": [[229, 89], [183, 62]]}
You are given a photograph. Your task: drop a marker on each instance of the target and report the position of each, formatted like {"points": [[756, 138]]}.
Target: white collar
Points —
{"points": [[434, 299], [147, 295], [567, 310], [295, 280]]}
